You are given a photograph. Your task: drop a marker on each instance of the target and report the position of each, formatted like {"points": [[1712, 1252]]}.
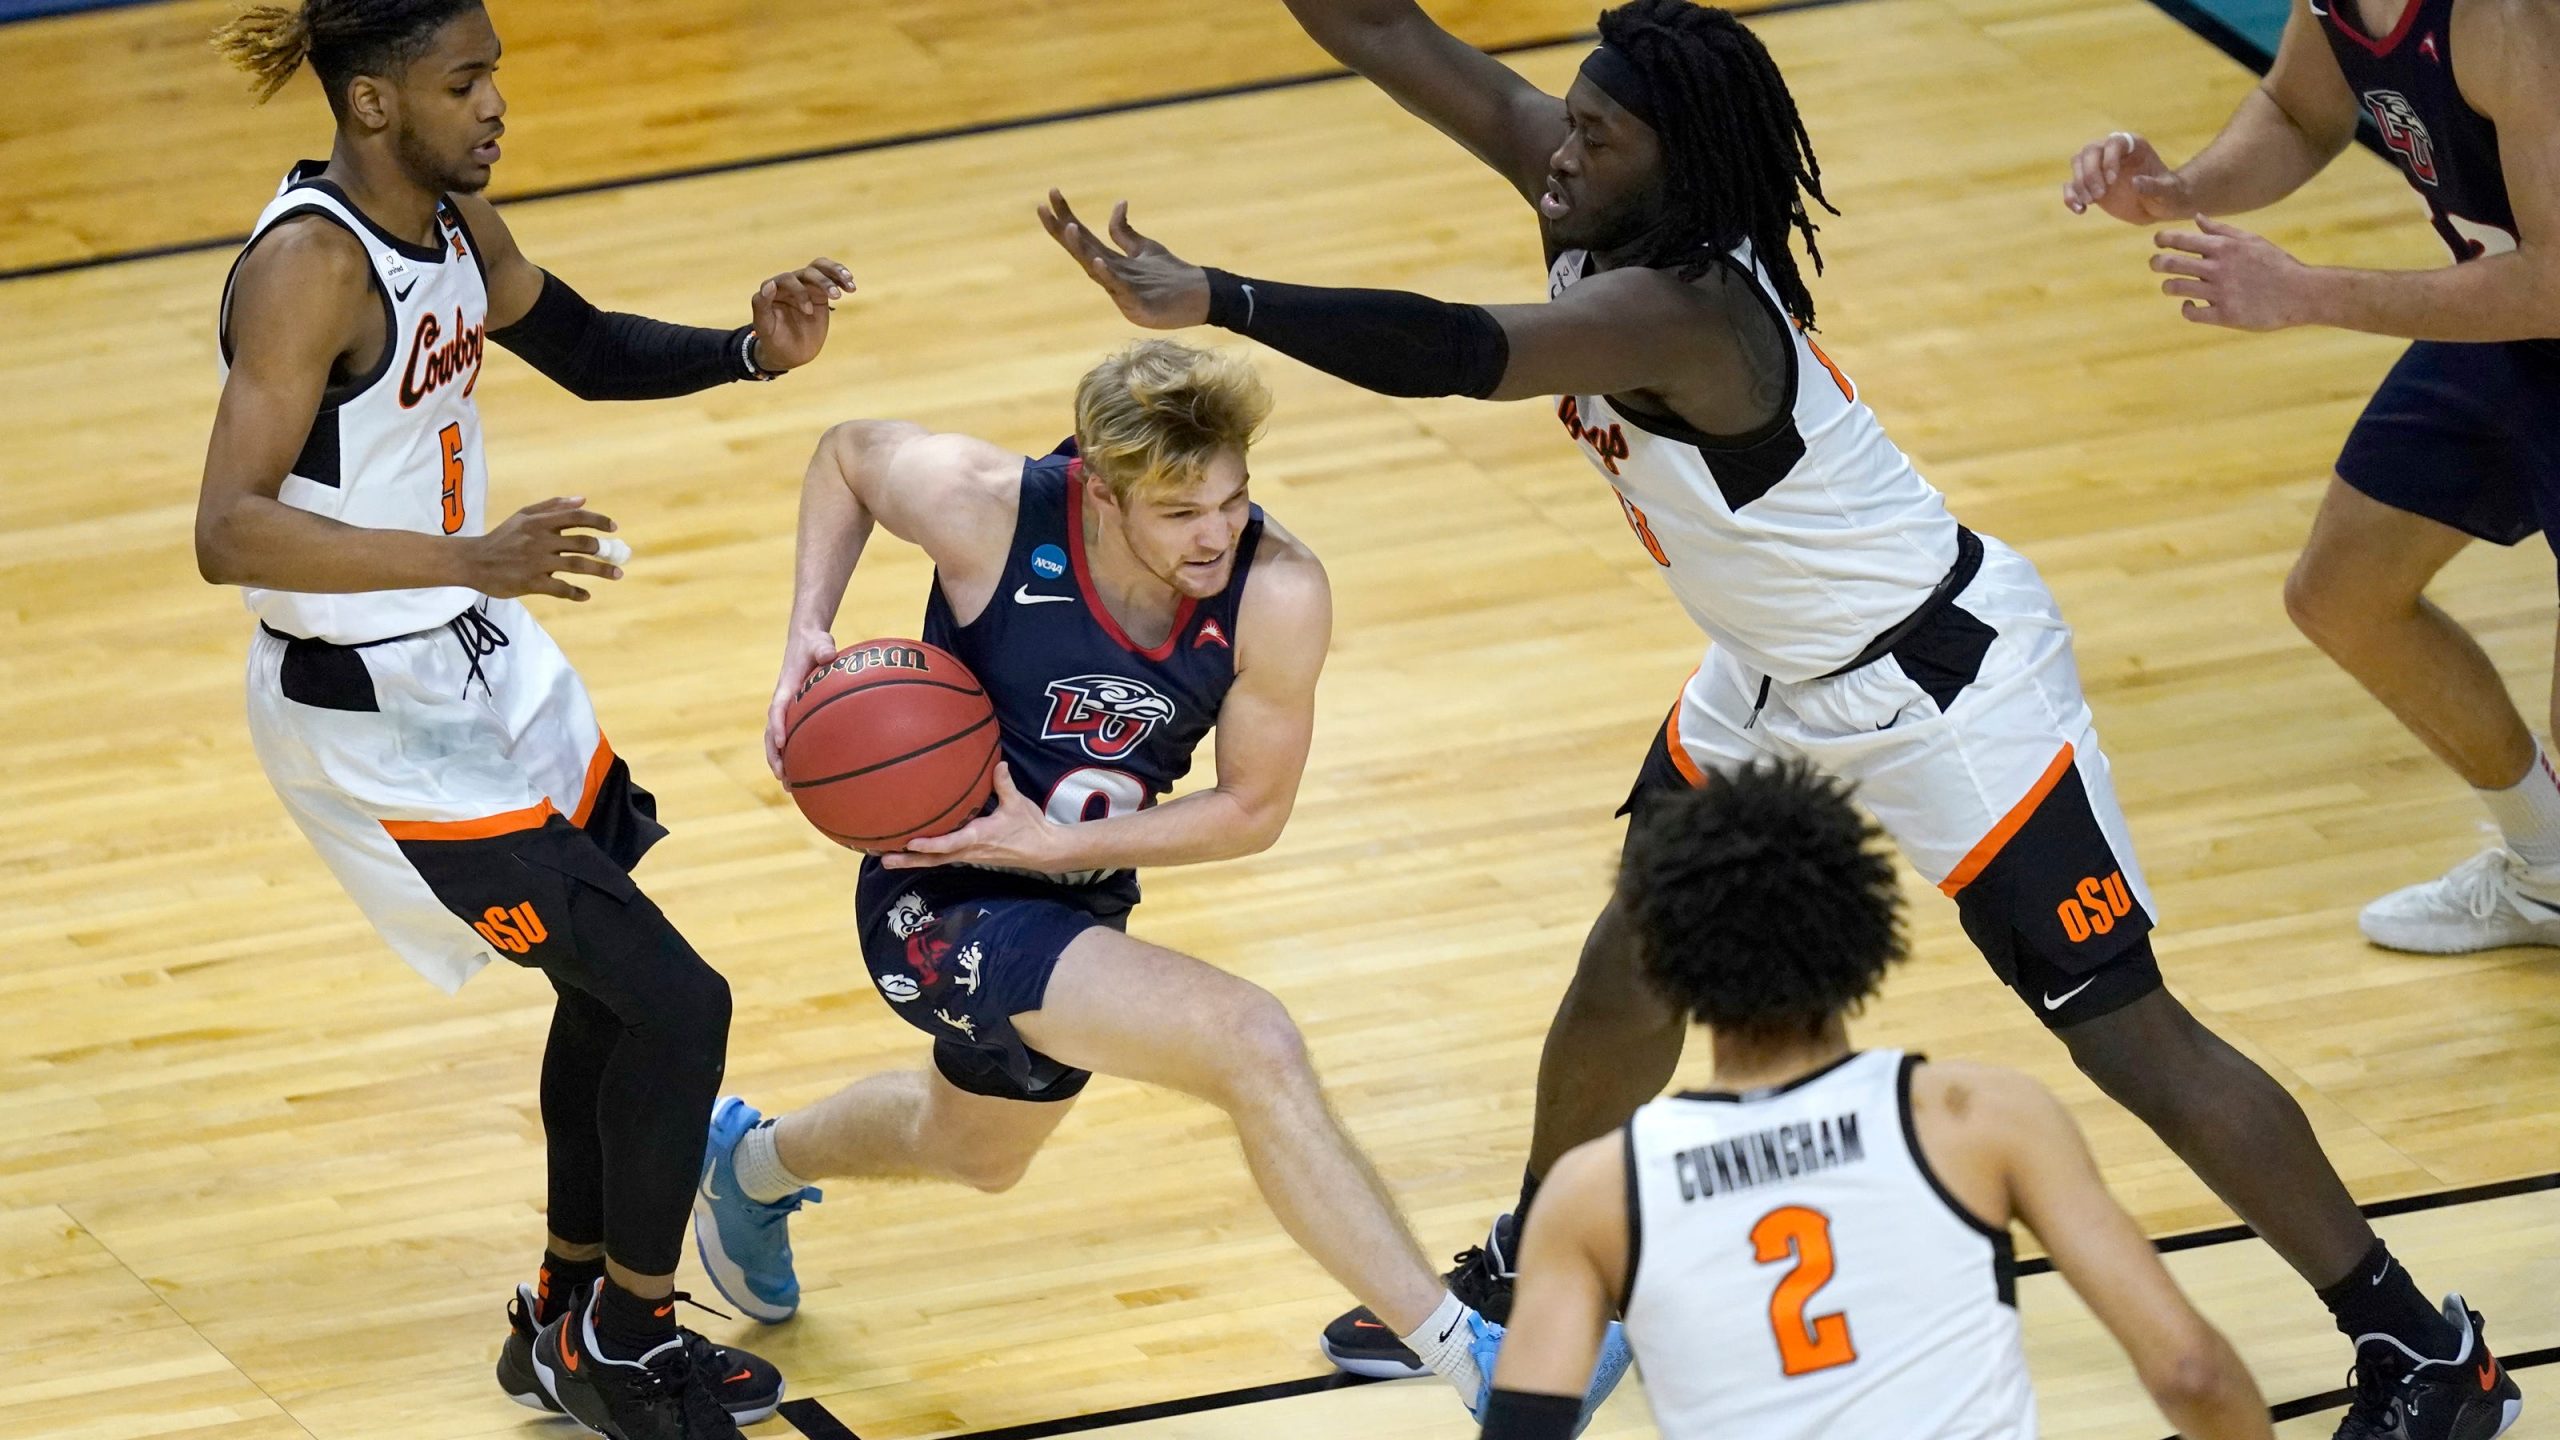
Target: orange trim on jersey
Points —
{"points": [[1983, 853], [530, 817], [597, 765], [1680, 760]]}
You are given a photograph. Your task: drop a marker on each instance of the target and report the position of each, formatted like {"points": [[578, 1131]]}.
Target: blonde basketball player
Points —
{"points": [[1819, 1246]]}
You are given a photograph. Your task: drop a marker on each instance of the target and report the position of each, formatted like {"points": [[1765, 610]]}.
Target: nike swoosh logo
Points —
{"points": [[2056, 1002], [1022, 596], [403, 292]]}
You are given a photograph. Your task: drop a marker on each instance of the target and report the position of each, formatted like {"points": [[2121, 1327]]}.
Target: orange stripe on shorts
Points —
{"points": [[1982, 854], [530, 817]]}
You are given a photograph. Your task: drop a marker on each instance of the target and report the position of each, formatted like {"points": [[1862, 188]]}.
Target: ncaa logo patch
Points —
{"points": [[899, 988], [1048, 562]]}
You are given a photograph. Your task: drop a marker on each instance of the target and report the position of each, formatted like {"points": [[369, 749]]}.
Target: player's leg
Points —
{"points": [[2437, 459], [1989, 775], [1225, 1040]]}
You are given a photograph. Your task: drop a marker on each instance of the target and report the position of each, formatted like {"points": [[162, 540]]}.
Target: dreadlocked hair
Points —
{"points": [[1737, 164], [341, 39]]}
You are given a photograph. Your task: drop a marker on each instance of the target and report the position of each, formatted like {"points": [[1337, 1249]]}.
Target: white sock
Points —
{"points": [[1445, 1343], [2528, 813], [761, 1173]]}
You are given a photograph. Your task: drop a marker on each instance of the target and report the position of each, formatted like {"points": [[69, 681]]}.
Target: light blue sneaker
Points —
{"points": [[745, 1244], [1485, 1342]]}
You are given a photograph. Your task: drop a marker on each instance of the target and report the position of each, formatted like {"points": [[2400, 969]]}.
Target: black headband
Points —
{"points": [[1618, 78]]}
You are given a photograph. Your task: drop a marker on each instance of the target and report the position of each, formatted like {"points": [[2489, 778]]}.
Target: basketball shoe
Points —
{"points": [[745, 1244], [1359, 1343], [1485, 1344], [685, 1389], [2483, 903], [2402, 1395]]}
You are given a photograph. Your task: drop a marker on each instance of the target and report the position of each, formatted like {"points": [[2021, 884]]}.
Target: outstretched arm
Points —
{"points": [[2286, 130], [607, 355], [1621, 330], [1467, 95]]}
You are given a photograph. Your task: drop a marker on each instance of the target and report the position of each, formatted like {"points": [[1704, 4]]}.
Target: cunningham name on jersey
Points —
{"points": [[397, 446], [1794, 545]]}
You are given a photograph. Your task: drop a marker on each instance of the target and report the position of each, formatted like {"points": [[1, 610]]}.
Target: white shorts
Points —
{"points": [[1970, 743], [441, 748]]}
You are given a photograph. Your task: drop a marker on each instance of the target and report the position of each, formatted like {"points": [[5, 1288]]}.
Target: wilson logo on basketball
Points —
{"points": [[512, 928], [2095, 907], [1107, 714], [435, 361], [868, 657]]}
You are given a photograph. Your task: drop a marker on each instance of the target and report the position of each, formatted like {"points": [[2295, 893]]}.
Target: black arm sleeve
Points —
{"points": [[1382, 340], [1526, 1415], [601, 355]]}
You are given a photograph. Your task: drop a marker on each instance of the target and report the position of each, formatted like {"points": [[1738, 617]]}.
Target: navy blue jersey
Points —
{"points": [[2448, 151], [1093, 725]]}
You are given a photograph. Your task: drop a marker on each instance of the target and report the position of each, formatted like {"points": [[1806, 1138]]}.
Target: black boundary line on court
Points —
{"points": [[883, 142], [816, 1422]]}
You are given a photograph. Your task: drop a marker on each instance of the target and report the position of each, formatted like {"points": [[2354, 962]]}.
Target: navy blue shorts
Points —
{"points": [[958, 953], [2465, 435]]}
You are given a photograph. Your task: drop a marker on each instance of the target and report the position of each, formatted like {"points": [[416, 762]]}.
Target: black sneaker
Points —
{"points": [[747, 1386], [1359, 1343], [670, 1393], [2402, 1395]]}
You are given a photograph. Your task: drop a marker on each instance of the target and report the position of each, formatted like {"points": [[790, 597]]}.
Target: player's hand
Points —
{"points": [[2126, 178], [2232, 278], [1015, 835], [805, 651], [791, 313], [1151, 285], [531, 549]]}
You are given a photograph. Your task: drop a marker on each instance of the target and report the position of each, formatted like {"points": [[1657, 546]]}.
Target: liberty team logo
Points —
{"points": [[2403, 131], [1107, 714]]}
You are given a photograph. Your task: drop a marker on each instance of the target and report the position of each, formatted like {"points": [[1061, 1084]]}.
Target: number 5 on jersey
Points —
{"points": [[450, 437], [1804, 1346]]}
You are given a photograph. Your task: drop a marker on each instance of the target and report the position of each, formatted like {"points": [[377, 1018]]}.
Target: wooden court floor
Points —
{"points": [[257, 1181]]}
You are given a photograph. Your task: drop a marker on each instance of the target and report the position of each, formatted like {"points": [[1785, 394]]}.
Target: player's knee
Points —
{"points": [[1264, 1049]]}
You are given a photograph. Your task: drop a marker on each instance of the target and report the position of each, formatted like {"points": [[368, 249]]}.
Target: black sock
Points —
{"points": [[1520, 1212], [559, 1283], [2377, 1297], [629, 1326]]}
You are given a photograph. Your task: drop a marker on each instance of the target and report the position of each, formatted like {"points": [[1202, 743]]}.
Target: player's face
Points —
{"points": [[451, 113], [1187, 539], [1604, 180]]}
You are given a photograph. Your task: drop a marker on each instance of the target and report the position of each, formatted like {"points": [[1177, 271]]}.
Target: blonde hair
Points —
{"points": [[1151, 417]]}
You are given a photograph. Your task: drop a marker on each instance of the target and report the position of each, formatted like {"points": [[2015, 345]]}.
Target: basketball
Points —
{"points": [[890, 740]]}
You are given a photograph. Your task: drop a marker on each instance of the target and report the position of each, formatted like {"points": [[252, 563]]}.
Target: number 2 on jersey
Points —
{"points": [[451, 438], [1794, 1232]]}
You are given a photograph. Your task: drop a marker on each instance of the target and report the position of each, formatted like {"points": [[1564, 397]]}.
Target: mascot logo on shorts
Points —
{"points": [[1107, 714]]}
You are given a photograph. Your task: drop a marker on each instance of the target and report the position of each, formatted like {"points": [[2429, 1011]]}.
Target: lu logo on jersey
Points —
{"points": [[1106, 714]]}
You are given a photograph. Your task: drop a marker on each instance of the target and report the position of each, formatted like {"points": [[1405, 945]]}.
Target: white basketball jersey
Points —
{"points": [[1793, 546], [396, 448], [1799, 1274]]}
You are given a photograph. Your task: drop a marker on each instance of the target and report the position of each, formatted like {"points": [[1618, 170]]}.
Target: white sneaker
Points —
{"points": [[2480, 904]]}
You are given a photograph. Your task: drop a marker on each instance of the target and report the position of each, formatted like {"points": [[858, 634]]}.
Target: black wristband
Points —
{"points": [[605, 355], [1526, 1415], [1384, 340]]}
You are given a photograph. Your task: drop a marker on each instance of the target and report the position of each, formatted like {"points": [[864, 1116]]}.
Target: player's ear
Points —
{"points": [[370, 104]]}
